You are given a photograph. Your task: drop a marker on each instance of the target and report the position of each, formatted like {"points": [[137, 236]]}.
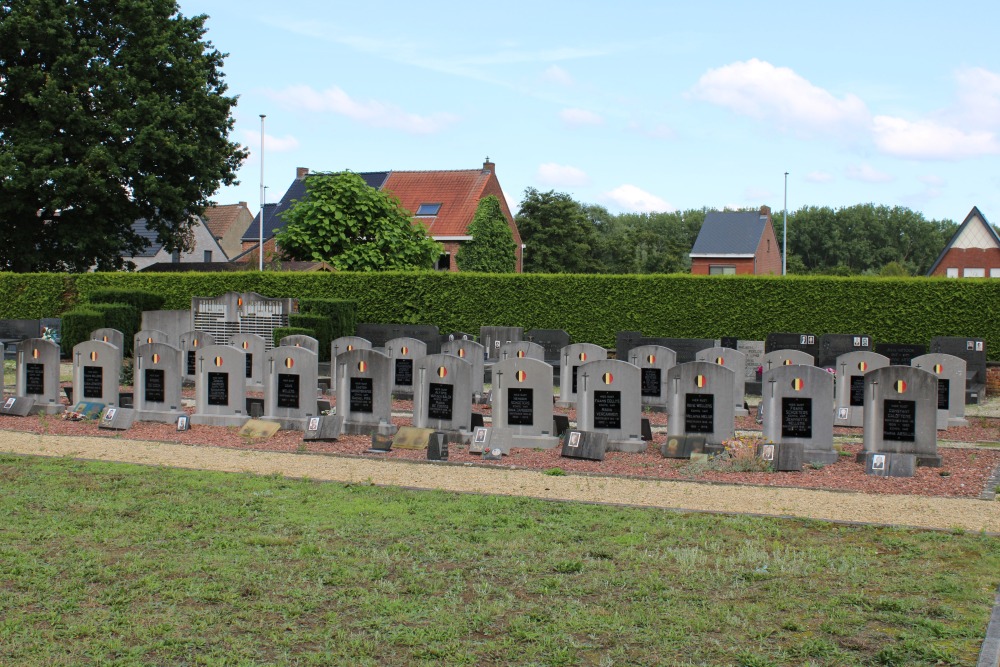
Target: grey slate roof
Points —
{"points": [[152, 245], [730, 233]]}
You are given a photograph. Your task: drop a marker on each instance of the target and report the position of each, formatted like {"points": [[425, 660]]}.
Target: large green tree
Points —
{"points": [[110, 111], [492, 248], [557, 233], [354, 227], [646, 242]]}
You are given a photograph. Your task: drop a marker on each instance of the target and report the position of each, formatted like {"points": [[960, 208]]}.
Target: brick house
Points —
{"points": [[227, 223], [972, 252], [444, 201], [736, 243]]}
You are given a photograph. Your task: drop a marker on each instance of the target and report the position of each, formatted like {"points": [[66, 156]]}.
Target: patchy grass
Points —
{"points": [[129, 565]]}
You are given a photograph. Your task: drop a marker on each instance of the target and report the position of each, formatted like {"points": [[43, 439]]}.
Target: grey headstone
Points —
{"points": [[849, 394], [950, 371], [590, 445], [572, 357], [38, 374], [16, 406], [381, 334], [220, 386], [890, 465], [522, 402], [551, 340], [804, 342], [148, 337], [191, 345], [97, 368], [437, 447], [786, 358], [116, 419], [682, 446], [340, 346], [113, 336], [685, 348], [521, 349], [364, 390], [608, 402], [735, 361], [653, 362], [832, 346], [493, 338], [797, 405], [157, 383], [442, 393], [323, 428], [174, 323], [300, 340], [782, 456], [472, 352], [405, 354], [900, 414], [481, 438], [290, 386], [701, 401], [254, 347], [973, 350]]}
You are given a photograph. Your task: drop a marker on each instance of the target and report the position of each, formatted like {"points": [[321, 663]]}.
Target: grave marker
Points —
{"points": [[443, 394], [254, 347], [493, 338], [789, 357], [97, 368], [474, 353], [950, 371], [521, 350], [900, 413], [609, 402], [191, 344], [973, 350], [157, 378], [797, 405], [405, 353], [290, 386], [701, 402], [803, 342], [573, 356], [653, 362], [832, 346], [220, 386], [342, 345], [364, 388], [735, 361], [107, 335], [38, 375], [900, 354], [522, 402], [147, 337], [381, 334], [552, 341], [849, 392]]}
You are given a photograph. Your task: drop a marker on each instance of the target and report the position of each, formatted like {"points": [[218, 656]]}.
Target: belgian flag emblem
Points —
{"points": [[862, 366], [156, 358], [583, 356], [608, 378], [520, 354], [93, 355], [289, 362], [797, 384], [194, 343], [720, 361], [938, 368], [521, 376], [105, 339], [442, 371], [246, 345], [461, 353], [350, 348], [218, 361], [700, 381], [651, 359], [34, 353], [404, 350], [787, 362], [900, 386], [362, 366], [149, 341]]}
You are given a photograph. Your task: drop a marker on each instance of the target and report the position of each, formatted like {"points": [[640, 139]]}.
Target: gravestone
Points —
{"points": [[521, 349], [481, 437], [300, 340], [174, 323], [589, 445], [803, 342], [552, 341], [254, 347], [381, 334], [341, 345], [797, 404], [437, 446], [701, 402], [973, 350], [291, 379], [113, 336], [456, 335], [522, 402], [493, 338], [97, 368], [443, 394], [781, 456], [472, 352], [753, 351], [191, 344], [682, 446], [900, 354], [608, 401], [16, 406], [890, 465], [901, 413], [777, 358], [116, 419], [653, 362], [686, 349], [950, 372], [405, 353], [573, 356], [364, 390], [38, 375], [147, 337], [832, 346], [735, 361], [849, 392], [157, 380], [220, 386]]}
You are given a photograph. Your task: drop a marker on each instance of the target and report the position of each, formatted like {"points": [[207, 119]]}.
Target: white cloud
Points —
{"points": [[868, 174], [369, 112], [978, 98], [271, 142], [557, 75], [930, 140], [760, 90], [580, 117], [560, 175], [819, 177], [630, 198]]}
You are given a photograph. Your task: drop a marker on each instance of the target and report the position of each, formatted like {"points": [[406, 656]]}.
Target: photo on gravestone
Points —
{"points": [[857, 391], [404, 373], [288, 390], [699, 413], [440, 401], [313, 424], [192, 363], [899, 420], [154, 385], [878, 462], [574, 439], [608, 409], [520, 407], [93, 381], [651, 382], [796, 417], [767, 452], [361, 395], [943, 393], [218, 388], [34, 378]]}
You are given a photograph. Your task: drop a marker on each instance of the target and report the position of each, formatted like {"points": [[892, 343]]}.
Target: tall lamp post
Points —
{"points": [[784, 232], [260, 246]]}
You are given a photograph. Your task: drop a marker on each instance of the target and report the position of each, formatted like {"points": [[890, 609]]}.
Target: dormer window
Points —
{"points": [[428, 210]]}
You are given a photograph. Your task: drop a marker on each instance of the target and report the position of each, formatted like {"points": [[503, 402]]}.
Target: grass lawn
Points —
{"points": [[128, 565]]}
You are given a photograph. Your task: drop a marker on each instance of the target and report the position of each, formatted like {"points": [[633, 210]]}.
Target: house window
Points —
{"points": [[428, 209], [444, 262], [208, 256], [994, 273], [951, 273], [175, 257], [721, 270], [975, 273]]}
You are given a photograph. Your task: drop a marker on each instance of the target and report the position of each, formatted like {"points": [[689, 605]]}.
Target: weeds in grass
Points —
{"points": [[555, 472]]}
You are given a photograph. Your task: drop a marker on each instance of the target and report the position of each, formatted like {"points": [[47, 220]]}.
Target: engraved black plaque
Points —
{"points": [[944, 393], [651, 385], [699, 413], [899, 420], [288, 390], [93, 382], [218, 388], [440, 399], [249, 356], [857, 391], [362, 395], [192, 363], [574, 378], [521, 407], [404, 373], [154, 383], [796, 417], [608, 409], [34, 378]]}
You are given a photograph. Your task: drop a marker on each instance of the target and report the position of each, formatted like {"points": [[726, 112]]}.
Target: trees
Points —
{"points": [[492, 248], [353, 227], [557, 234], [109, 112], [647, 242]]}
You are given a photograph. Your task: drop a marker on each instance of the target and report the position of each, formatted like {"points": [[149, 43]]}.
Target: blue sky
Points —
{"points": [[638, 106]]}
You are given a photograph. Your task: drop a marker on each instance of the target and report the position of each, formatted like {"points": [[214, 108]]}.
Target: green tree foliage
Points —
{"points": [[353, 227], [109, 112], [492, 248], [558, 236], [646, 242]]}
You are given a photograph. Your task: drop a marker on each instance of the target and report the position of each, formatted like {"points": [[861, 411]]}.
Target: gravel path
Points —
{"points": [[918, 511]]}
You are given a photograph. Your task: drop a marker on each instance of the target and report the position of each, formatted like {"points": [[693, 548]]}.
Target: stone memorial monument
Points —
{"points": [[405, 352], [572, 357], [900, 413], [797, 404], [474, 353], [38, 375], [608, 401], [950, 371], [220, 386], [653, 362], [522, 402], [254, 347], [735, 361], [341, 345], [97, 368], [701, 402], [291, 379], [191, 344], [442, 395], [849, 393], [157, 379], [364, 390]]}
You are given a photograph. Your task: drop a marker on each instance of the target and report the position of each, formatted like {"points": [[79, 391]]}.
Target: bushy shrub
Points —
{"points": [[139, 299], [76, 327], [318, 323], [120, 316], [342, 313]]}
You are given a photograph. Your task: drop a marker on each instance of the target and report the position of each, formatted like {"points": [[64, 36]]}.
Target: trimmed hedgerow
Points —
{"points": [[342, 314], [138, 299], [77, 325], [318, 323], [120, 316]]}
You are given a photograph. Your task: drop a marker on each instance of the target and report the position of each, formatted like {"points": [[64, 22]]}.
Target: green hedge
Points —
{"points": [[321, 325], [77, 325], [138, 299], [591, 308], [281, 332], [342, 313]]}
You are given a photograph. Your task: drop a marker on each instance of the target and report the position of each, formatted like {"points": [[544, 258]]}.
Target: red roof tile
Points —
{"points": [[457, 191], [219, 219]]}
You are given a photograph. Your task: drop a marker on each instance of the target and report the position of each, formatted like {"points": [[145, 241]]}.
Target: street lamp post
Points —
{"points": [[260, 246]]}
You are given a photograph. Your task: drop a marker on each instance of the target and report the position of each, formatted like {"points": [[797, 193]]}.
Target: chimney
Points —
{"points": [[301, 173], [243, 204], [765, 211], [489, 167]]}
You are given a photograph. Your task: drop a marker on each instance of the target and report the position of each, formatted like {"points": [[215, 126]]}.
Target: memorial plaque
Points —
{"points": [[288, 390], [520, 407], [857, 391], [899, 354], [192, 362], [404, 372], [362, 395], [574, 378], [249, 365], [651, 381], [34, 378], [608, 409], [218, 388], [440, 401], [155, 385], [943, 393], [899, 420], [93, 382], [699, 413], [796, 417]]}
